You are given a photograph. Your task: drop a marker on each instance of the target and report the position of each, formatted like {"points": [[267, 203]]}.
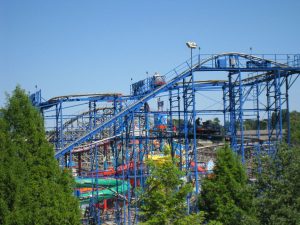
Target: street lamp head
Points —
{"points": [[191, 44]]}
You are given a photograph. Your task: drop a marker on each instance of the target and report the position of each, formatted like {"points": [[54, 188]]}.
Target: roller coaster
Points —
{"points": [[105, 138]]}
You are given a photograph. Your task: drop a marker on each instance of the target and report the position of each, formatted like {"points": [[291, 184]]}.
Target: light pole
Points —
{"points": [[192, 45]]}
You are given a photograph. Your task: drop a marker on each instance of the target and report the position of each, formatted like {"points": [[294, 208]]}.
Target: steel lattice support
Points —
{"points": [[119, 137]]}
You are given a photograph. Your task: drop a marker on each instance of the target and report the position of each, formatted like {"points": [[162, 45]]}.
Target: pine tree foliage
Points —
{"points": [[33, 189], [295, 127], [278, 188], [226, 196]]}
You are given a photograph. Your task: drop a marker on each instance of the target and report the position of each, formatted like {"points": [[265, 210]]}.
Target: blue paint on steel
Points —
{"points": [[236, 91]]}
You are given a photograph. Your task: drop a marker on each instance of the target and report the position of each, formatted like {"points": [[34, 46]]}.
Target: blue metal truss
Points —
{"points": [[127, 125]]}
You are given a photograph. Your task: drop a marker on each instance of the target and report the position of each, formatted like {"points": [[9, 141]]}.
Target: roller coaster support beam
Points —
{"points": [[179, 125], [278, 106], [287, 111], [232, 111], [194, 127], [170, 125], [225, 109], [186, 132], [59, 133], [241, 120], [268, 109], [236, 110], [257, 94]]}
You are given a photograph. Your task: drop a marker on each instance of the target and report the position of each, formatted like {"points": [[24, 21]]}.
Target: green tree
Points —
{"points": [[295, 127], [294, 124], [33, 189], [216, 121], [278, 188], [226, 196], [164, 199]]}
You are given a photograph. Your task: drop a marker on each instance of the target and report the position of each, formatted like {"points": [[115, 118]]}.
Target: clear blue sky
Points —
{"points": [[72, 46]]}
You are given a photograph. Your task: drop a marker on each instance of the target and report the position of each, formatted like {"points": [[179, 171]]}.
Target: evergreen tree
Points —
{"points": [[226, 196], [164, 200], [216, 121], [295, 128], [33, 189], [278, 188]]}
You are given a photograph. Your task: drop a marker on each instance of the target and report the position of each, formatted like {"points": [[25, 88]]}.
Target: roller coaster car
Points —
{"points": [[208, 128], [145, 86], [257, 64], [158, 80]]}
